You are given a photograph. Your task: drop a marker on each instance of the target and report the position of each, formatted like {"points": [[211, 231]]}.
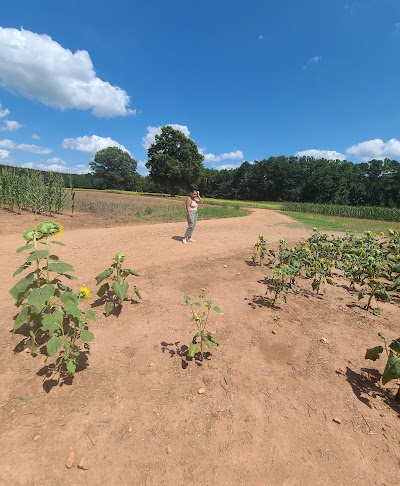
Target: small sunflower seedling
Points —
{"points": [[114, 292], [203, 340], [392, 368]]}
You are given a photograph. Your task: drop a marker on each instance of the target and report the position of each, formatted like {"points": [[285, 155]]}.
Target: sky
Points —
{"points": [[245, 80]]}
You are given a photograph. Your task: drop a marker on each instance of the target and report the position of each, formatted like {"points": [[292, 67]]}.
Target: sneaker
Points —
{"points": [[191, 241], [184, 241]]}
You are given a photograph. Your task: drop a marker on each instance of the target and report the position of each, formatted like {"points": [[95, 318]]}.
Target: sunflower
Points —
{"points": [[84, 293]]}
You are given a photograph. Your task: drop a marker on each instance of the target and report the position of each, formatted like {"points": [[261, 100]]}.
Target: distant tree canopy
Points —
{"points": [[174, 161], [114, 169], [300, 179]]}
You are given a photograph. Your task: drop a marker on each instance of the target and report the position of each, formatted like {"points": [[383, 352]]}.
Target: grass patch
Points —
{"points": [[338, 223], [123, 208]]}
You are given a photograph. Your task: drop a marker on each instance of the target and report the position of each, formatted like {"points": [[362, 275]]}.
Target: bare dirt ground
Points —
{"points": [[272, 389]]}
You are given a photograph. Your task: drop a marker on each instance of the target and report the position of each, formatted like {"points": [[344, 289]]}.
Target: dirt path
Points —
{"points": [[272, 389]]}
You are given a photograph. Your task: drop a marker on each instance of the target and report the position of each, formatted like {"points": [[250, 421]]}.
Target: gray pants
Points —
{"points": [[191, 224]]}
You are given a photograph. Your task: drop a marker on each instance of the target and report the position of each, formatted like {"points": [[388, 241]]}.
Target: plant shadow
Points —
{"points": [[366, 387], [101, 302], [174, 349], [262, 301], [58, 376]]}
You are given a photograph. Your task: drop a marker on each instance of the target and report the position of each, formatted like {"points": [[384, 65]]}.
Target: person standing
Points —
{"points": [[191, 205]]}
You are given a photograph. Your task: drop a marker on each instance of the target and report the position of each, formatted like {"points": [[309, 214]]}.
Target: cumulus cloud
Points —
{"points": [[5, 156], [56, 160], [36, 66], [149, 139], [375, 149], [4, 113], [78, 169], [321, 154], [91, 144], [237, 155], [228, 166], [10, 126], [35, 136], [9, 144]]}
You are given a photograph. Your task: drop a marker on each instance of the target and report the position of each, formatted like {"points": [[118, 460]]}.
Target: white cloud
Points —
{"points": [[9, 144], [375, 149], [313, 60], [10, 126], [78, 169], [56, 160], [141, 167], [149, 139], [4, 113], [321, 154], [4, 155], [39, 68], [35, 136], [91, 144], [228, 166], [237, 155]]}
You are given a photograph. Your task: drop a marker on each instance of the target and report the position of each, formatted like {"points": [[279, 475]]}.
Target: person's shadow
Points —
{"points": [[177, 238]]}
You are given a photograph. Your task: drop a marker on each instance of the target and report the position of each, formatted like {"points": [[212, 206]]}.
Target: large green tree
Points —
{"points": [[174, 161], [114, 169]]}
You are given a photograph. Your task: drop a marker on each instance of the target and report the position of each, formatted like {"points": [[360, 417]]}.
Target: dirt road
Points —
{"points": [[288, 398]]}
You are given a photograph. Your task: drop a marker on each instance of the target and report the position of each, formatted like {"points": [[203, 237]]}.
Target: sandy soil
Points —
{"points": [[280, 407]]}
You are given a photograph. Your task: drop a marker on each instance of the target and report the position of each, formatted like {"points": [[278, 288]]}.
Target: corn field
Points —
{"points": [[362, 212], [32, 191]]}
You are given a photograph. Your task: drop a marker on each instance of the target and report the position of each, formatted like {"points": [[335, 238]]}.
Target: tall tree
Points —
{"points": [[174, 161], [114, 169]]}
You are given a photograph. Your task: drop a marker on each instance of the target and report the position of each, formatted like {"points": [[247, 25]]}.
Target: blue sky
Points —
{"points": [[246, 80]]}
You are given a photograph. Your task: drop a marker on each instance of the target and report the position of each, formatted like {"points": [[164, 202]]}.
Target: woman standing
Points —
{"points": [[191, 204]]}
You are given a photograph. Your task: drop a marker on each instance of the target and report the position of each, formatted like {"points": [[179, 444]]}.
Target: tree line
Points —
{"points": [[175, 165]]}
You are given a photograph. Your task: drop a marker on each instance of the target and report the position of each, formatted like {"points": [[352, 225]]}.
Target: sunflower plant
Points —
{"points": [[259, 251], [114, 291], [203, 340], [48, 307], [392, 368]]}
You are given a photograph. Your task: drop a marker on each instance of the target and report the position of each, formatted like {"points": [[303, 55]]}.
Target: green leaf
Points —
{"points": [[21, 318], [68, 297], [137, 292], [197, 304], [90, 315], [63, 287], [103, 289], [87, 336], [192, 350], [392, 369], [52, 345], [211, 338], [395, 345], [38, 298], [72, 310], [37, 255], [373, 353], [52, 322], [120, 290], [21, 269], [71, 367], [60, 267], [376, 311], [22, 286], [216, 309], [129, 271], [25, 247], [58, 243], [103, 275], [109, 307]]}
